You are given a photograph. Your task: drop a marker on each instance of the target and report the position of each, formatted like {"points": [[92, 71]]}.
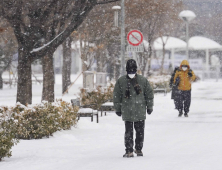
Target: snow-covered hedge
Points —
{"points": [[161, 81], [42, 120], [7, 133], [33, 122], [97, 96]]}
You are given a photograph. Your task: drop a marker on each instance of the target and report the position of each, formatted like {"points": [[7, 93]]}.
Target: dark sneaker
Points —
{"points": [[186, 115], [128, 155], [138, 152], [180, 114]]}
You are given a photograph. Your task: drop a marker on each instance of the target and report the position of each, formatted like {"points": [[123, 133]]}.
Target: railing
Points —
{"points": [[213, 73]]}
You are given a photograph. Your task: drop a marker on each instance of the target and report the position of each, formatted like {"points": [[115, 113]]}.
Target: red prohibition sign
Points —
{"points": [[135, 37]]}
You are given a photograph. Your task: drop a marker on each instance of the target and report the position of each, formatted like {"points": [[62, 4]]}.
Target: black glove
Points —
{"points": [[171, 83], [118, 113], [177, 82], [149, 111], [190, 73]]}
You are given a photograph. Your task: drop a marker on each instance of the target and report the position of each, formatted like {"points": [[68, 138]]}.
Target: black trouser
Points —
{"points": [[175, 93], [183, 101], [139, 127]]}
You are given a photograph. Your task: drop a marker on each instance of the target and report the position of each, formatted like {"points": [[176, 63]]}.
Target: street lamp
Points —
{"points": [[116, 8], [187, 16], [123, 37]]}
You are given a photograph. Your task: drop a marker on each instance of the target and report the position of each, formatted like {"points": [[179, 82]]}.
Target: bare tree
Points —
{"points": [[8, 47], [163, 42], [98, 30], [171, 17], [145, 15], [4, 64], [151, 16], [66, 67], [40, 27]]}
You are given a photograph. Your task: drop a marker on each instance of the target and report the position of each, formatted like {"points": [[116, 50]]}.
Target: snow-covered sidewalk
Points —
{"points": [[171, 143]]}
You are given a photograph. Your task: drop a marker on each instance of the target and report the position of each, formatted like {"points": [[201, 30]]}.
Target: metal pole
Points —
{"points": [[54, 69], [116, 19], [207, 63], [173, 58], [123, 37], [187, 39]]}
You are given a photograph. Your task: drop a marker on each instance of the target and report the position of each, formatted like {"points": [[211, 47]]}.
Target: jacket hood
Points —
{"points": [[185, 62]]}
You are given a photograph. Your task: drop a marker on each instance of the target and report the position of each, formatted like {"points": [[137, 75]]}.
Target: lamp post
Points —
{"points": [[116, 15], [187, 16], [116, 24], [116, 8], [122, 37]]}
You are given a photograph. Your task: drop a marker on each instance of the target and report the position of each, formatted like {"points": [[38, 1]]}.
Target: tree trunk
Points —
{"points": [[48, 78], [117, 72], [24, 87], [1, 81], [162, 64], [83, 57], [67, 61], [99, 62], [150, 59], [84, 68], [144, 66]]}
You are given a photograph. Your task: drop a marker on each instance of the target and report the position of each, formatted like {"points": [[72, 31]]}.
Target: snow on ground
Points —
{"points": [[8, 95], [171, 143]]}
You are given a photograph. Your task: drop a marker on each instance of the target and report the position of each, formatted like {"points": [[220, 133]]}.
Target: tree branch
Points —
{"points": [[51, 46], [48, 10], [106, 2]]}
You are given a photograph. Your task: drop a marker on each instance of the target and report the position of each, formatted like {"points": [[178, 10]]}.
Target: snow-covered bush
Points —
{"points": [[33, 122], [42, 120], [160, 81], [98, 96], [37, 121], [68, 115], [7, 133]]}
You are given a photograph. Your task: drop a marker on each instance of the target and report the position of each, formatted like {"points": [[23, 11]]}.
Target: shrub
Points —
{"points": [[160, 82], [36, 122], [98, 96], [68, 115], [44, 119], [7, 133], [33, 122]]}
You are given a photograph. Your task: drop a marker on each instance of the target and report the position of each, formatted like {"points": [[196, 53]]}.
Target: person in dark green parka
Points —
{"points": [[132, 97]]}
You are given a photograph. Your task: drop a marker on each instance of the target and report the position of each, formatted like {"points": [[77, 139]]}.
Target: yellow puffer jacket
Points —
{"points": [[185, 80]]}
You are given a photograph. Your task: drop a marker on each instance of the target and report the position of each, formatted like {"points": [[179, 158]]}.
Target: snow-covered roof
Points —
{"points": [[171, 43], [203, 43]]}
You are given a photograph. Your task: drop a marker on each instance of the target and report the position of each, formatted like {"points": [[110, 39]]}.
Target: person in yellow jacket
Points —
{"points": [[183, 79]]}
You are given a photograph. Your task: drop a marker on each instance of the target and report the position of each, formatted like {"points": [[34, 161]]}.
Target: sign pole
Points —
{"points": [[123, 38]]}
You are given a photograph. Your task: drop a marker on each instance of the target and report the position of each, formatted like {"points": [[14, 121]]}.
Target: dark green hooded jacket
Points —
{"points": [[133, 109]]}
